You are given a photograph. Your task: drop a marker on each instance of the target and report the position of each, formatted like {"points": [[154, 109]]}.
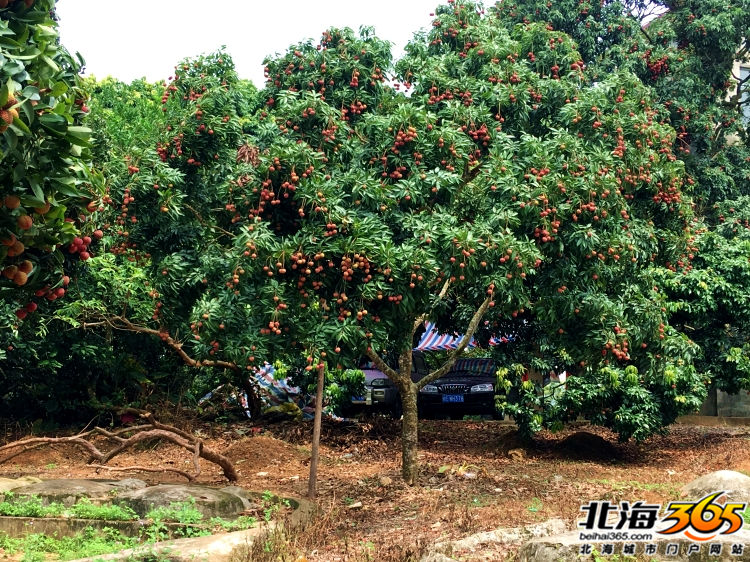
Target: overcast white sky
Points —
{"points": [[136, 38]]}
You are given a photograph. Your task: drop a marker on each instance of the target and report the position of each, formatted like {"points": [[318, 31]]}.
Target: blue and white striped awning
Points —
{"points": [[431, 340]]}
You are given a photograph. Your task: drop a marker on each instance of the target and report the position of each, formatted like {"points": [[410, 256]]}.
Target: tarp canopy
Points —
{"points": [[431, 340]]}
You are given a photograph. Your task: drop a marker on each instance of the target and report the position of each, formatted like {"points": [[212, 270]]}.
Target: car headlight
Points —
{"points": [[379, 382], [429, 389], [485, 387]]}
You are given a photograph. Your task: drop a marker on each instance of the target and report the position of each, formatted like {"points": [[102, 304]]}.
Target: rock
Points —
{"points": [[508, 535], [436, 557], [469, 475], [385, 481], [8, 484], [567, 547], [130, 484], [355, 505], [250, 500], [735, 484], [261, 474], [67, 491], [209, 501]]}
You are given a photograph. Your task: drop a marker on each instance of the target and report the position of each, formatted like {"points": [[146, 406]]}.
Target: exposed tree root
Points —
{"points": [[152, 430]]}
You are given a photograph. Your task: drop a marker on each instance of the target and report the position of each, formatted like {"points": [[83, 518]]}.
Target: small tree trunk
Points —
{"points": [[312, 483], [409, 434], [253, 400]]}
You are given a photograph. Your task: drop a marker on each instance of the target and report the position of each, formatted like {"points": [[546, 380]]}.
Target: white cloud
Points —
{"points": [[136, 38]]}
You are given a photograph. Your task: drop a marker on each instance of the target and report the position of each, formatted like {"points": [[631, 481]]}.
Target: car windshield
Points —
{"points": [[473, 367], [464, 373]]}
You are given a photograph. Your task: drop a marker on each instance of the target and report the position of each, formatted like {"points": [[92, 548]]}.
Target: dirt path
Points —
{"points": [[475, 476]]}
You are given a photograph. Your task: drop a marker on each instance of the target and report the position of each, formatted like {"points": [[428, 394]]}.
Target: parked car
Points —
{"points": [[467, 389], [381, 394]]}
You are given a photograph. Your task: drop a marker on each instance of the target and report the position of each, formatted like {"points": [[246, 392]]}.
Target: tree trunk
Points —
{"points": [[409, 434], [253, 400], [312, 483]]}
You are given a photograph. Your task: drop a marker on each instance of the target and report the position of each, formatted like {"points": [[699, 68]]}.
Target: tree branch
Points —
{"points": [[99, 467], [203, 222], [124, 324], [380, 364], [127, 325], [470, 331], [441, 295]]}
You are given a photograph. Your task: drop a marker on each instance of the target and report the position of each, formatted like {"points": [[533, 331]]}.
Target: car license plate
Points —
{"points": [[453, 397]]}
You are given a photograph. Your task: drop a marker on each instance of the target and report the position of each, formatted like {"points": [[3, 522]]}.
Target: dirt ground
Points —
{"points": [[475, 476]]}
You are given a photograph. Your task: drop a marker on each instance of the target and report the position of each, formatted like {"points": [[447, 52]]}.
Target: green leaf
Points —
{"points": [[21, 125], [79, 135], [28, 201], [31, 92], [37, 189], [66, 189], [52, 64], [4, 30], [34, 54], [55, 123], [46, 30], [59, 89], [9, 43]]}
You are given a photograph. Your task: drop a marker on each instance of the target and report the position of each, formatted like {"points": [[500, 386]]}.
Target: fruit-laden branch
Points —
{"points": [[472, 328], [152, 430], [204, 223], [122, 323]]}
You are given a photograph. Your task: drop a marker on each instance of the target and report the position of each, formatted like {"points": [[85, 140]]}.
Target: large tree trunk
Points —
{"points": [[409, 389], [410, 420], [409, 434]]}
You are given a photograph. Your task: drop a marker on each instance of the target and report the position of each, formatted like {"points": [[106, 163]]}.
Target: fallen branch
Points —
{"points": [[187, 475], [152, 430]]}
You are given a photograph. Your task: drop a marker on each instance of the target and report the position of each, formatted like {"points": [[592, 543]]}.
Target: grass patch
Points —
{"points": [[179, 519], [671, 488], [28, 506], [89, 542]]}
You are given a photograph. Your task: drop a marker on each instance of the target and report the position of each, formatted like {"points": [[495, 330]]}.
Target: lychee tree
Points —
{"points": [[684, 53], [605, 220], [504, 185], [166, 157], [45, 180], [711, 302]]}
